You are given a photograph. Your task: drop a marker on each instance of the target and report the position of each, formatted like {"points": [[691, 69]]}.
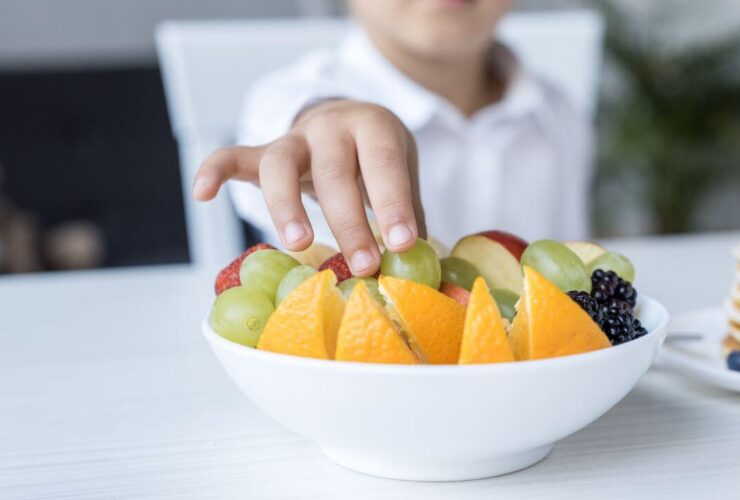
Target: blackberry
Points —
{"points": [[620, 326], [588, 304], [611, 291], [733, 361]]}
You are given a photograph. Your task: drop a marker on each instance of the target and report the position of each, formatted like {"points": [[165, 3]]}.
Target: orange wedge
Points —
{"points": [[548, 323], [432, 321], [307, 321], [484, 338], [368, 335]]}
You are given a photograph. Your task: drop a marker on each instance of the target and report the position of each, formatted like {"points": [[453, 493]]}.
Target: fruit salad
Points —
{"points": [[494, 299]]}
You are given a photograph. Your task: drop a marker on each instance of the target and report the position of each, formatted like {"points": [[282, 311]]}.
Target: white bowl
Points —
{"points": [[443, 422]]}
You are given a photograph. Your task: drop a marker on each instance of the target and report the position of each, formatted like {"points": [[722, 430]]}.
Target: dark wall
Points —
{"points": [[95, 145]]}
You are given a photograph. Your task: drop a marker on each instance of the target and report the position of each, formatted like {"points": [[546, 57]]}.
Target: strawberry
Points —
{"points": [[455, 292], [337, 264], [228, 277]]}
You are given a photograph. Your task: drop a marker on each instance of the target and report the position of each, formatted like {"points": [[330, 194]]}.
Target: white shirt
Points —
{"points": [[522, 164]]}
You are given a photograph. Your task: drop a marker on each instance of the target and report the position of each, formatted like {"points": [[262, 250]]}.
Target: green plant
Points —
{"points": [[676, 125]]}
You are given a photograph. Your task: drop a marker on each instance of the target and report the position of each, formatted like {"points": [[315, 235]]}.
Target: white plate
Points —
{"points": [[703, 358]]}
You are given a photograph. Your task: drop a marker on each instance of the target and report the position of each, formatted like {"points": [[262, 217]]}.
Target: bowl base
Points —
{"points": [[419, 470]]}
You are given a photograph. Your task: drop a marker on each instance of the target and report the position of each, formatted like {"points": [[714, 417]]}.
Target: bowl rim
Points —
{"points": [[658, 331]]}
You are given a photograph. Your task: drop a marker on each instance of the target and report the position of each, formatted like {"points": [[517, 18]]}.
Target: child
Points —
{"points": [[420, 102]]}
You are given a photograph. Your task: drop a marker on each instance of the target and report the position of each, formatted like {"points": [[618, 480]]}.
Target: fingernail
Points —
{"points": [[200, 186], [400, 234], [361, 260], [293, 232]]}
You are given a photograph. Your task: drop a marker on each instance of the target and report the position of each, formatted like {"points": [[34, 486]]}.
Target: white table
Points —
{"points": [[107, 390]]}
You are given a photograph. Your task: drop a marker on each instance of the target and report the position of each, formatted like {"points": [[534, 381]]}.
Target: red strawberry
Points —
{"points": [[228, 277], [455, 292], [337, 264]]}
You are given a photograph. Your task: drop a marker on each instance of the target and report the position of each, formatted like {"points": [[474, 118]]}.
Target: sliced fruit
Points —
{"points": [[377, 234], [228, 277], [420, 264], [439, 248], [558, 264], [458, 271], [314, 255], [484, 338], [519, 333], [511, 242], [333, 313], [307, 320], [613, 261], [240, 314], [506, 302], [549, 324], [338, 265], [292, 279], [263, 271], [455, 292], [347, 286], [368, 335], [496, 263], [432, 321], [585, 250]]}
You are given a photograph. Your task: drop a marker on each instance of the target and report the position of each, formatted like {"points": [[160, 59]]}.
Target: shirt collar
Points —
{"points": [[411, 102], [414, 104]]}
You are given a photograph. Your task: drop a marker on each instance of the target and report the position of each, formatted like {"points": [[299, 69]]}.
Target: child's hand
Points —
{"points": [[345, 153]]}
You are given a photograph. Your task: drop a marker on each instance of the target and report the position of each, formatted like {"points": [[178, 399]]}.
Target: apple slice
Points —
{"points": [[314, 255], [455, 292], [511, 242], [587, 251], [439, 247], [496, 255], [377, 234]]}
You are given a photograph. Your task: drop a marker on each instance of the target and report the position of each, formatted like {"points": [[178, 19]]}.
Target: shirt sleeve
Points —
{"points": [[270, 107]]}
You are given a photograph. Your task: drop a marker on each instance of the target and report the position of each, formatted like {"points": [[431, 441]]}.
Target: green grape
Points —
{"points": [[240, 313], [346, 287], [612, 261], [559, 264], [292, 279], [459, 271], [419, 264], [263, 271], [506, 301]]}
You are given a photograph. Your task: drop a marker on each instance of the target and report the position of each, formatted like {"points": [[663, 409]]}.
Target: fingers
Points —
{"points": [[334, 171], [280, 169], [413, 165], [384, 156], [327, 151], [236, 162]]}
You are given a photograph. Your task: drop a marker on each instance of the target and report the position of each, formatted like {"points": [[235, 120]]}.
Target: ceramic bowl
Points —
{"points": [[441, 422]]}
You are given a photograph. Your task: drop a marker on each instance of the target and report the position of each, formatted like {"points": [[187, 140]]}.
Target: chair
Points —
{"points": [[208, 65]]}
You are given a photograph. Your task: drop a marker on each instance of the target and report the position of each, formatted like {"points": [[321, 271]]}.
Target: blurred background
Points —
{"points": [[89, 172]]}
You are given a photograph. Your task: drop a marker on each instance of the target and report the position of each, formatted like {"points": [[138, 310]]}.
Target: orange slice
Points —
{"points": [[307, 320], [548, 323], [432, 321], [368, 335], [484, 338]]}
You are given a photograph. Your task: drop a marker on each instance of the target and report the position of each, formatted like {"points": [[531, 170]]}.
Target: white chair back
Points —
{"points": [[208, 65]]}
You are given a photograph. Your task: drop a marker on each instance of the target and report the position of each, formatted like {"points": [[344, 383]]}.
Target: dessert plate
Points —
{"points": [[693, 348]]}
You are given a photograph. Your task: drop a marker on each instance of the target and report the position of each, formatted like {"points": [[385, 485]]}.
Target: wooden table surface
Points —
{"points": [[108, 390]]}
